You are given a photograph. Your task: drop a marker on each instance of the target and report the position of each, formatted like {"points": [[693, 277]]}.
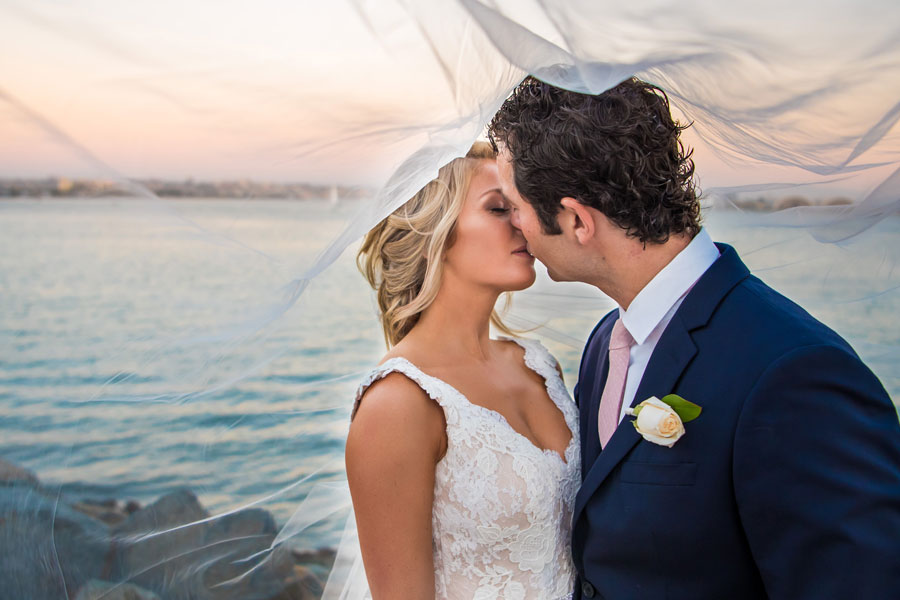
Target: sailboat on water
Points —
{"points": [[333, 195]]}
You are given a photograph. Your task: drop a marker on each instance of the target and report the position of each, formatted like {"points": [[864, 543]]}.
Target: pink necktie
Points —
{"points": [[611, 401]]}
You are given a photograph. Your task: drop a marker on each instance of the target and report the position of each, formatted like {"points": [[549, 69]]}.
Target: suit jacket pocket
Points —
{"points": [[659, 473]]}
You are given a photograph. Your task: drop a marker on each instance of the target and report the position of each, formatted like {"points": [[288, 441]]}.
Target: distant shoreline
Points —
{"points": [[61, 187], [245, 189]]}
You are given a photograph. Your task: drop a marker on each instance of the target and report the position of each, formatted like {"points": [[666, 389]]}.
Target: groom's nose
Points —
{"points": [[514, 219]]}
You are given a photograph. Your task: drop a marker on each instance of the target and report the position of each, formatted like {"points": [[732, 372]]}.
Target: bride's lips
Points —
{"points": [[523, 251]]}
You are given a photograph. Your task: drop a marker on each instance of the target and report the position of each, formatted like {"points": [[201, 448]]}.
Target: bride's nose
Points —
{"points": [[519, 236]]}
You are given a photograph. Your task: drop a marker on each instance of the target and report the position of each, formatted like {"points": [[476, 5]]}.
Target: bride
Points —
{"points": [[463, 451]]}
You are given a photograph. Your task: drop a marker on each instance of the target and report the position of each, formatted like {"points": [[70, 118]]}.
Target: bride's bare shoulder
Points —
{"points": [[395, 415], [394, 391], [396, 397]]}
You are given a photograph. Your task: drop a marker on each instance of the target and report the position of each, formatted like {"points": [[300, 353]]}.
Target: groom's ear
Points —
{"points": [[577, 218]]}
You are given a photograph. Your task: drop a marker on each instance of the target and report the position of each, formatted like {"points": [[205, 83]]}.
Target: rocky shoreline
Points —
{"points": [[169, 549]]}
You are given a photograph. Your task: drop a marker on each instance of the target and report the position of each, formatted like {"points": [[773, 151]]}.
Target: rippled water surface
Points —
{"points": [[132, 360]]}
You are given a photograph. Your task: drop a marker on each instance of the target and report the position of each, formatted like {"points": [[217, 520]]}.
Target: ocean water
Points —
{"points": [[144, 346]]}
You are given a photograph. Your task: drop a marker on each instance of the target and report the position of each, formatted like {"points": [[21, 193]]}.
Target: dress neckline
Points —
{"points": [[498, 416]]}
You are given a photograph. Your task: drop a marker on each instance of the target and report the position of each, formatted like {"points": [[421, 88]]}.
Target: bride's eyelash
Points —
{"points": [[499, 210]]}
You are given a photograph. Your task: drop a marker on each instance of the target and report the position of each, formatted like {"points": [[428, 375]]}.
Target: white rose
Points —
{"points": [[658, 423]]}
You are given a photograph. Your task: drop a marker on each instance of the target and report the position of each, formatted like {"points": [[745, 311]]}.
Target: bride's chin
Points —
{"points": [[521, 284]]}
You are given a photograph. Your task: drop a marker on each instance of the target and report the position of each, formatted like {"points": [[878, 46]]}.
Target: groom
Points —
{"points": [[787, 486]]}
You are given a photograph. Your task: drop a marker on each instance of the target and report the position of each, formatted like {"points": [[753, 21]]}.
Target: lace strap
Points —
{"points": [[539, 360], [537, 357], [431, 386]]}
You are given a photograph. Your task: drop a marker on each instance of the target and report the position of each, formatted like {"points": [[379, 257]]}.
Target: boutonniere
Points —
{"points": [[662, 421]]}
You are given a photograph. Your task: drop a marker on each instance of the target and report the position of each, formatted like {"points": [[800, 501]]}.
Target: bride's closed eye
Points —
{"points": [[499, 210]]}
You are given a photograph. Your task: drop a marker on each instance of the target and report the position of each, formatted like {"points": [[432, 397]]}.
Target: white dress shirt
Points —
{"points": [[653, 308]]}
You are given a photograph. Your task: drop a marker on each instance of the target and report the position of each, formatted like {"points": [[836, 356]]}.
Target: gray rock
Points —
{"points": [[157, 546], [317, 563], [302, 584], [107, 511], [47, 548], [169, 547], [13, 473], [106, 590], [242, 566], [320, 556], [245, 523]]}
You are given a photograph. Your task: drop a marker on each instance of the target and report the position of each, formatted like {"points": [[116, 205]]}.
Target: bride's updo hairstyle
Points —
{"points": [[402, 256]]}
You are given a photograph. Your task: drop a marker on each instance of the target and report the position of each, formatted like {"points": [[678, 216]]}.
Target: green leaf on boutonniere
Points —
{"points": [[688, 411]]}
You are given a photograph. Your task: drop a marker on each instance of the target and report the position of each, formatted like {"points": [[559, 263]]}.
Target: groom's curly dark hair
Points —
{"points": [[617, 152]]}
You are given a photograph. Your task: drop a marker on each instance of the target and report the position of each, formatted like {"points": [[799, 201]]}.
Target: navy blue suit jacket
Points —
{"points": [[788, 484]]}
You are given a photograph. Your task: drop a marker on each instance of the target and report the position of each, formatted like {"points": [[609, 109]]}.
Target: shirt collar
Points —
{"points": [[655, 300]]}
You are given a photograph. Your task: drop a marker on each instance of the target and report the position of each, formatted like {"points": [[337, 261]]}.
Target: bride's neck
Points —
{"points": [[458, 321]]}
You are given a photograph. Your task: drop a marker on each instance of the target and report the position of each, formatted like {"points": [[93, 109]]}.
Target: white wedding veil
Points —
{"points": [[201, 356]]}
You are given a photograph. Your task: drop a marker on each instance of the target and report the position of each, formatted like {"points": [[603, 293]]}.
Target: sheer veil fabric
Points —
{"points": [[797, 103]]}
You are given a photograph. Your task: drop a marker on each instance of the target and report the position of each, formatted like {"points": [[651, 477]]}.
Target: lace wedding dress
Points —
{"points": [[502, 513]]}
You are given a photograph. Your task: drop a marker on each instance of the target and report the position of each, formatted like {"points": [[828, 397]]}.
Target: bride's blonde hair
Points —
{"points": [[402, 256]]}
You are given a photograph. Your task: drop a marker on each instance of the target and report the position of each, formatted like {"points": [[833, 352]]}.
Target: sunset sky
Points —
{"points": [[272, 90], [175, 91]]}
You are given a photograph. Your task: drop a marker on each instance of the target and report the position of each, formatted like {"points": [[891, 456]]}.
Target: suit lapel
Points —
{"points": [[672, 355], [590, 442]]}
